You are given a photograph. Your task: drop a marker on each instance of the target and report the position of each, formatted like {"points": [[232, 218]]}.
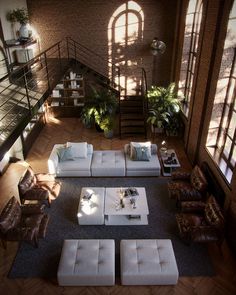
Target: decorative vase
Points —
{"points": [[24, 32]]}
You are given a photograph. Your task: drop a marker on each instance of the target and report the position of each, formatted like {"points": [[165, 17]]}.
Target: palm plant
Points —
{"points": [[163, 107]]}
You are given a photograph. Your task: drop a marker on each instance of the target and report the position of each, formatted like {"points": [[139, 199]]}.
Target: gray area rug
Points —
{"points": [[43, 262]]}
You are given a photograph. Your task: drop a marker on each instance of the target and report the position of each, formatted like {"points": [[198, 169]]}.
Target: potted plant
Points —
{"points": [[163, 107], [100, 108], [20, 15]]}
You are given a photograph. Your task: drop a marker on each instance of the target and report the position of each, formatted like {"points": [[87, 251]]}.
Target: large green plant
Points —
{"points": [[100, 107], [163, 107]]}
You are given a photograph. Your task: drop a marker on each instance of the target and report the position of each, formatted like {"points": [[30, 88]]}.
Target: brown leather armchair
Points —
{"points": [[40, 187], [22, 223], [188, 186], [204, 224]]}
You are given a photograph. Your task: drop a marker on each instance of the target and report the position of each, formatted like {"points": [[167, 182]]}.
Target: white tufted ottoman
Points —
{"points": [[87, 263], [148, 262], [108, 163]]}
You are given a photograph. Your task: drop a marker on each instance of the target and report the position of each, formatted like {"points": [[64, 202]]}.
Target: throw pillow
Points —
{"points": [[136, 147], [79, 149], [140, 153], [64, 154]]}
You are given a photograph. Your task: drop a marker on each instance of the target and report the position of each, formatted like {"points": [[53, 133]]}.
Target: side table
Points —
{"points": [[169, 162]]}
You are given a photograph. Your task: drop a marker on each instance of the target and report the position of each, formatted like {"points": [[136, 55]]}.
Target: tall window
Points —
{"points": [[125, 33], [221, 140], [189, 54]]}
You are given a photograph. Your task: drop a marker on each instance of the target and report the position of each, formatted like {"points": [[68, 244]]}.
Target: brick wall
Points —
{"points": [[87, 22]]}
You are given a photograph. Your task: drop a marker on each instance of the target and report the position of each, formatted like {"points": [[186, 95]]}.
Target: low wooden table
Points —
{"points": [[127, 215], [168, 166]]}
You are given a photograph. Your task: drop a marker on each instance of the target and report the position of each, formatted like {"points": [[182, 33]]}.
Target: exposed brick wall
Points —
{"points": [[87, 22]]}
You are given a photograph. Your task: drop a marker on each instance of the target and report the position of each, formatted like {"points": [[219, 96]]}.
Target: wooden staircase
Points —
{"points": [[133, 116]]}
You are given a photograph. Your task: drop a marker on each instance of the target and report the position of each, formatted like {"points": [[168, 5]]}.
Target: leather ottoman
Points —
{"points": [[87, 263], [148, 262], [108, 163]]}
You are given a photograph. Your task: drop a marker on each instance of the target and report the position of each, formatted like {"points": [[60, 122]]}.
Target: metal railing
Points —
{"points": [[24, 91]]}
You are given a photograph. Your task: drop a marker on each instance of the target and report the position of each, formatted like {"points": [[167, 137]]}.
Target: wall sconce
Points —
{"points": [[157, 46]]}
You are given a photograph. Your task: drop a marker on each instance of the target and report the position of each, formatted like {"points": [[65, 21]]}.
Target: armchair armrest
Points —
{"points": [[32, 209], [181, 175], [53, 160], [205, 233], [192, 206]]}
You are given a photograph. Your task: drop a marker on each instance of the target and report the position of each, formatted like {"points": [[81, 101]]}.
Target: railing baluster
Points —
{"points": [[26, 89]]}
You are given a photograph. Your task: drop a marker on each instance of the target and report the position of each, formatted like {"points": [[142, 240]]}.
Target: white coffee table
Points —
{"points": [[126, 215]]}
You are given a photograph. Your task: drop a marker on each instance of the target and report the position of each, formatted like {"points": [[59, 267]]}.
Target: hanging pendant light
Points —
{"points": [[157, 46]]}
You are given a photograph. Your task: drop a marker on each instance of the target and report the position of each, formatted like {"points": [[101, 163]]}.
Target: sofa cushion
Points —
{"points": [[140, 151], [64, 153], [79, 149], [143, 168], [108, 163], [79, 164]]}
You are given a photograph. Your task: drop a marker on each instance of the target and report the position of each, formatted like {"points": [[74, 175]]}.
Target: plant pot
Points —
{"points": [[156, 129], [108, 133]]}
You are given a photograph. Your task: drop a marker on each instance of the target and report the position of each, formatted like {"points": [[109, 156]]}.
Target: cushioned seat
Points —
{"points": [[87, 263], [75, 166], [143, 168], [148, 262], [108, 163]]}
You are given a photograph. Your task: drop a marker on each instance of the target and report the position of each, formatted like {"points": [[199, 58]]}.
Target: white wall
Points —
{"points": [[5, 6]]}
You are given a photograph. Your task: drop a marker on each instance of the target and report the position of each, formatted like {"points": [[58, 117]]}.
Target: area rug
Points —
{"points": [[43, 261]]}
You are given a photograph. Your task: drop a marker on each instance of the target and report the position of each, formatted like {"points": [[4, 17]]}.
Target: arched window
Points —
{"points": [[221, 139], [190, 49], [125, 32]]}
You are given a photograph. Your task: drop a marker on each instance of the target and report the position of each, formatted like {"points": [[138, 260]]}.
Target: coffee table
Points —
{"points": [[127, 215]]}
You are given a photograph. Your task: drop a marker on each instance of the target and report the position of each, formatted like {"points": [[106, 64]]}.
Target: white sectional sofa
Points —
{"points": [[114, 163]]}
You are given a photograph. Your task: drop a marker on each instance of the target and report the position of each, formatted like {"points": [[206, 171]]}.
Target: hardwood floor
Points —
{"points": [[70, 129]]}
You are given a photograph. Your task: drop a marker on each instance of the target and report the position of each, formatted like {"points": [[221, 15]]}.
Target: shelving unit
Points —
{"points": [[68, 95]]}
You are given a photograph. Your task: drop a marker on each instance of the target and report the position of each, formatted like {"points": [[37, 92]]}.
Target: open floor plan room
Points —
{"points": [[221, 281]]}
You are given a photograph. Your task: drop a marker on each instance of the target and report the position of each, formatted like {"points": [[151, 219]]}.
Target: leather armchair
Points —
{"points": [[22, 223], [204, 224], [40, 187], [188, 186]]}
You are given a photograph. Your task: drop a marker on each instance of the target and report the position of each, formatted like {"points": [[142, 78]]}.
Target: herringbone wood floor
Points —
{"points": [[70, 129]]}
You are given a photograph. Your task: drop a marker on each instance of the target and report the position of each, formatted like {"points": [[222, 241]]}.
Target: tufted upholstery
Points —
{"points": [[108, 163], [22, 223], [205, 225], [148, 262], [188, 186], [87, 263], [38, 187]]}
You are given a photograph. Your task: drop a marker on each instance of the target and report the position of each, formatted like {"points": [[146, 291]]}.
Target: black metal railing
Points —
{"points": [[25, 89]]}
